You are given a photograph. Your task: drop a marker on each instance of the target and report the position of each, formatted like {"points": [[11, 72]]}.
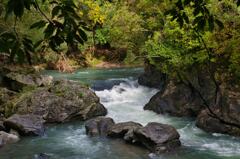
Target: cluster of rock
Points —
{"points": [[156, 137], [181, 99], [28, 102]]}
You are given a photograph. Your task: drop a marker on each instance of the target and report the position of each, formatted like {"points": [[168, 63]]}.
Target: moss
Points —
{"points": [[28, 89], [10, 107], [87, 85], [61, 91], [59, 94], [80, 95]]}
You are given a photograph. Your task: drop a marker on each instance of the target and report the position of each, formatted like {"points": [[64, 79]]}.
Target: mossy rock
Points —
{"points": [[60, 102], [10, 106], [16, 81]]}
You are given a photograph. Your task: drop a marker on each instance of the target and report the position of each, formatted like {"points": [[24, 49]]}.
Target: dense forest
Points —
{"points": [[180, 34], [190, 51]]}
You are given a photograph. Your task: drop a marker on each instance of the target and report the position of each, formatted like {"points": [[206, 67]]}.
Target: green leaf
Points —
{"points": [[56, 10], [82, 34], [38, 43], [38, 25], [49, 31]]}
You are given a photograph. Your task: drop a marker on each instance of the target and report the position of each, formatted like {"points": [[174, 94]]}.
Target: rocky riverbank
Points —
{"points": [[215, 111], [29, 101]]}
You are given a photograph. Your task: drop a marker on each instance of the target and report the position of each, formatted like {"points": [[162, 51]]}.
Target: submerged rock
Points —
{"points": [[99, 126], [158, 137], [62, 101], [41, 156], [6, 138], [26, 125], [124, 130]]}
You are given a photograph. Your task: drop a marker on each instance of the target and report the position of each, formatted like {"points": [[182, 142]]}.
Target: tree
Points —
{"points": [[63, 26]]}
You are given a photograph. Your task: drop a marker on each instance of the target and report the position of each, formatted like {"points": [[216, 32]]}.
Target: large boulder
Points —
{"points": [[98, 126], [229, 112], [6, 138], [212, 125], [178, 99], [152, 77], [26, 125], [62, 101], [125, 130], [158, 137], [17, 81]]}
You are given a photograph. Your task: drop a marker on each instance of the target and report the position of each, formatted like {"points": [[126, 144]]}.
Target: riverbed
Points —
{"points": [[124, 98]]}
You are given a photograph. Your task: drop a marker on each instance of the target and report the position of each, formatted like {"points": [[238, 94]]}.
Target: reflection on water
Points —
{"points": [[124, 99]]}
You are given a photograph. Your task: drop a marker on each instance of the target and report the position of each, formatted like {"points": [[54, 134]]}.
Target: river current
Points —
{"points": [[124, 98]]}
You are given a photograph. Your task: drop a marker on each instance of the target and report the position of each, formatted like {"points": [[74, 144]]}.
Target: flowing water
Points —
{"points": [[124, 98]]}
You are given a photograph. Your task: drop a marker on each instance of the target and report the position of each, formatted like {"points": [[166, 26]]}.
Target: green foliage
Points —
{"points": [[12, 44], [175, 35], [64, 26], [201, 14], [122, 28], [193, 42]]}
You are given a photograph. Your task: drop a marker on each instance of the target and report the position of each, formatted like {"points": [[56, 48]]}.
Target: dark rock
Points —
{"points": [[130, 137], [228, 111], [207, 122], [124, 130], [210, 124], [2, 127], [158, 138], [16, 81], [6, 138], [152, 77], [25, 125], [98, 126], [176, 99], [41, 156], [62, 101]]}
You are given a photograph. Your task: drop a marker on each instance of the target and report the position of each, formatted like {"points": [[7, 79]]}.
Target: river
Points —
{"points": [[124, 98]]}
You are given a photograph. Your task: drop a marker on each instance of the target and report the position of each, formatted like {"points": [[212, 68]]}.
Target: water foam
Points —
{"points": [[125, 103]]}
